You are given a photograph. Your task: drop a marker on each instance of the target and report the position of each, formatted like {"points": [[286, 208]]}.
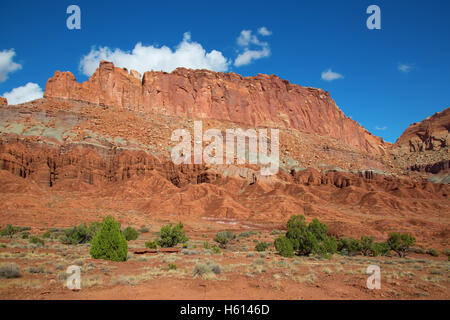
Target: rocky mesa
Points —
{"points": [[262, 100]]}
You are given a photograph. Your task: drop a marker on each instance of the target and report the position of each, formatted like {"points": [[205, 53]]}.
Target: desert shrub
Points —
{"points": [[151, 245], [130, 233], [349, 246], [172, 266], [109, 243], [37, 241], [308, 239], [46, 235], [25, 235], [247, 234], [381, 249], [447, 253], [284, 246], [170, 236], [261, 246], [2, 245], [201, 270], [81, 234], [8, 231], [400, 243], [144, 230], [35, 270], [216, 249], [327, 247], [275, 232], [433, 252], [418, 250], [9, 270], [223, 238], [205, 269], [214, 267], [206, 245]]}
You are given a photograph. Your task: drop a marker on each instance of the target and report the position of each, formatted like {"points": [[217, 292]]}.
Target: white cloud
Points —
{"points": [[381, 128], [28, 92], [248, 56], [329, 75], [7, 65], [405, 68], [246, 40], [264, 31], [143, 58]]}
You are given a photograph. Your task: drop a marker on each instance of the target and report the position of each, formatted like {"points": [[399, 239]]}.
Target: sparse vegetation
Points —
{"points": [[109, 243], [10, 231], [37, 241]]}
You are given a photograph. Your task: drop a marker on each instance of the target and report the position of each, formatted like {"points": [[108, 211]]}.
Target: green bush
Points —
{"points": [[223, 238], [25, 235], [170, 236], [130, 233], [400, 243], [284, 247], [144, 230], [262, 246], [247, 234], [349, 246], [37, 241], [8, 231], [216, 249], [109, 243], [172, 266], [433, 252], [327, 247], [381, 249], [206, 245], [46, 235], [151, 245], [310, 239], [81, 234]]}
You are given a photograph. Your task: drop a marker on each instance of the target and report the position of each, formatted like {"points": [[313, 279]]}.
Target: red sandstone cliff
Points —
{"points": [[3, 101], [262, 100], [430, 134]]}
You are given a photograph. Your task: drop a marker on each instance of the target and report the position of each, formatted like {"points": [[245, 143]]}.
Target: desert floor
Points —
{"points": [[242, 273]]}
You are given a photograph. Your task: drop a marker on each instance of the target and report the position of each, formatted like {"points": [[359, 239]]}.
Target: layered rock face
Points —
{"points": [[425, 146], [254, 101], [430, 134], [3, 101]]}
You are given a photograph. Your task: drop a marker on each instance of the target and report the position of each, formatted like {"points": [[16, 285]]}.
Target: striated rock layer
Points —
{"points": [[262, 100], [425, 146], [3, 101], [430, 134]]}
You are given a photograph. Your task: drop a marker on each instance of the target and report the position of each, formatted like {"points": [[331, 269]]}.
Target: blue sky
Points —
{"points": [[390, 77]]}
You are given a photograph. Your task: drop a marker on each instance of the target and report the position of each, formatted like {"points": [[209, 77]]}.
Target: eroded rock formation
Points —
{"points": [[262, 100]]}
